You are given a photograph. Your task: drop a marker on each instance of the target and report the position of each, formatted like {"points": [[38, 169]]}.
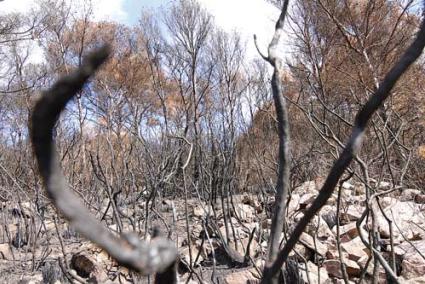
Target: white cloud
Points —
{"points": [[9, 6], [248, 17], [36, 54], [109, 10], [102, 9]]}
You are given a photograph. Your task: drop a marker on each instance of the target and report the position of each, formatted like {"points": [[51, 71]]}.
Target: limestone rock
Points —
{"points": [[417, 280], [409, 194], [243, 244], [306, 200], [34, 279], [301, 252], [406, 217], [413, 266], [185, 255], [320, 228], [387, 201], [347, 186], [352, 213], [316, 246], [244, 212], [313, 276], [333, 268], [306, 187], [6, 252], [294, 203], [347, 232], [241, 277], [384, 185], [199, 211], [407, 248], [252, 201], [369, 271], [355, 249]]}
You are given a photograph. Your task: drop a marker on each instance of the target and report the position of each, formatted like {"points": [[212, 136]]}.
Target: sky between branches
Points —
{"points": [[247, 17]]}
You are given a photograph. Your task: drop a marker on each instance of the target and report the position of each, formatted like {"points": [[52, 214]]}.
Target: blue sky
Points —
{"points": [[244, 16], [247, 17], [133, 8]]}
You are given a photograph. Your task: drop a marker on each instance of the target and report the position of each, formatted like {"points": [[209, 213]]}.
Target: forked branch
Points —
{"points": [[282, 182], [353, 144], [129, 251]]}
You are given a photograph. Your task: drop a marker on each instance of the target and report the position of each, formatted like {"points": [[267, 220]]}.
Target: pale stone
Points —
{"points": [[313, 275], [198, 211], [50, 225], [294, 203], [34, 279], [6, 252], [355, 249], [306, 187], [242, 245], [352, 213], [413, 266], [348, 186], [301, 252], [252, 201], [409, 194], [241, 277], [185, 255], [369, 271], [239, 232], [417, 280], [384, 185], [407, 219], [407, 248], [347, 232], [316, 246], [333, 268], [244, 212], [306, 200], [320, 228], [387, 201]]}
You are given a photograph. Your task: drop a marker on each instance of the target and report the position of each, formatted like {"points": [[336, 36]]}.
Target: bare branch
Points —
{"points": [[258, 49], [354, 143], [157, 256], [282, 183]]}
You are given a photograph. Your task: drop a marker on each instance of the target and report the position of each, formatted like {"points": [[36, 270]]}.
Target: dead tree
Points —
{"points": [[277, 259], [160, 255]]}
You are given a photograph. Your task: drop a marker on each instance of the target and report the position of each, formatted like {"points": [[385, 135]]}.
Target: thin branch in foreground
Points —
{"points": [[282, 182], [129, 251], [353, 144]]}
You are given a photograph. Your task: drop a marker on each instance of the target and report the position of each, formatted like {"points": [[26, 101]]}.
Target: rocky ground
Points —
{"points": [[211, 252]]}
